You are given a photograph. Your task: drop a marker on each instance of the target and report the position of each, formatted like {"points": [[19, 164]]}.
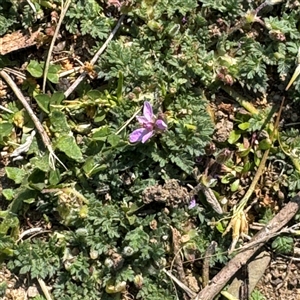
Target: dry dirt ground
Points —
{"points": [[281, 280]]}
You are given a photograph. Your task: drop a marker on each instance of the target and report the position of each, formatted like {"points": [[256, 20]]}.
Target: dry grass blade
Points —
{"points": [[181, 285], [64, 9], [6, 109], [44, 289]]}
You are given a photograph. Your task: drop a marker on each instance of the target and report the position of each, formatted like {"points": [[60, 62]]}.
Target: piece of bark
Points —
{"points": [[220, 280], [256, 269], [17, 40]]}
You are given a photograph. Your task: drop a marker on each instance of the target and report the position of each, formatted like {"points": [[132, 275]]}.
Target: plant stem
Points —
{"points": [[262, 164], [241, 100]]}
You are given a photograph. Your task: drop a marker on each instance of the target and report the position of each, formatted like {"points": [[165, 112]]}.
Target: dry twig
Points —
{"points": [[94, 59]]}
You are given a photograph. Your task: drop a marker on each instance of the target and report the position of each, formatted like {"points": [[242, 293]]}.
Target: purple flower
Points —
{"points": [[149, 125], [192, 203]]}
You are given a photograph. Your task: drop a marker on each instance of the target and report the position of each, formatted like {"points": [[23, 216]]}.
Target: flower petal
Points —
{"points": [[142, 120], [147, 135], [192, 203], [160, 124], [148, 112], [136, 135]]}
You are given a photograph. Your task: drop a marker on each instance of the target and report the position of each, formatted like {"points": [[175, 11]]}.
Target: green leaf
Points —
{"points": [[244, 126], [257, 159], [24, 195], [220, 227], [67, 144], [91, 167], [227, 178], [16, 174], [101, 133], [53, 73], [234, 136], [43, 101], [8, 194], [10, 221], [113, 140], [59, 122], [283, 244], [54, 177], [243, 151], [94, 94], [36, 179], [5, 130], [235, 185], [29, 200], [120, 86], [41, 163], [25, 269], [57, 98], [35, 69], [100, 116], [247, 167], [265, 144]]}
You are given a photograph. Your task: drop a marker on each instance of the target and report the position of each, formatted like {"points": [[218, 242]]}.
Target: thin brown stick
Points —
{"points": [[95, 58], [278, 222]]}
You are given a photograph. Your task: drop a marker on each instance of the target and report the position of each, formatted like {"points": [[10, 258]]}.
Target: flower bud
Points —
{"points": [[94, 254], [109, 263], [174, 30], [162, 262], [250, 17], [127, 251], [277, 35], [138, 281], [155, 26], [131, 96], [83, 128], [83, 212], [137, 90], [81, 232], [113, 289], [172, 90]]}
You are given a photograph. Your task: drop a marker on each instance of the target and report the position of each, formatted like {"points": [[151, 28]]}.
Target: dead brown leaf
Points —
{"points": [[17, 40]]}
